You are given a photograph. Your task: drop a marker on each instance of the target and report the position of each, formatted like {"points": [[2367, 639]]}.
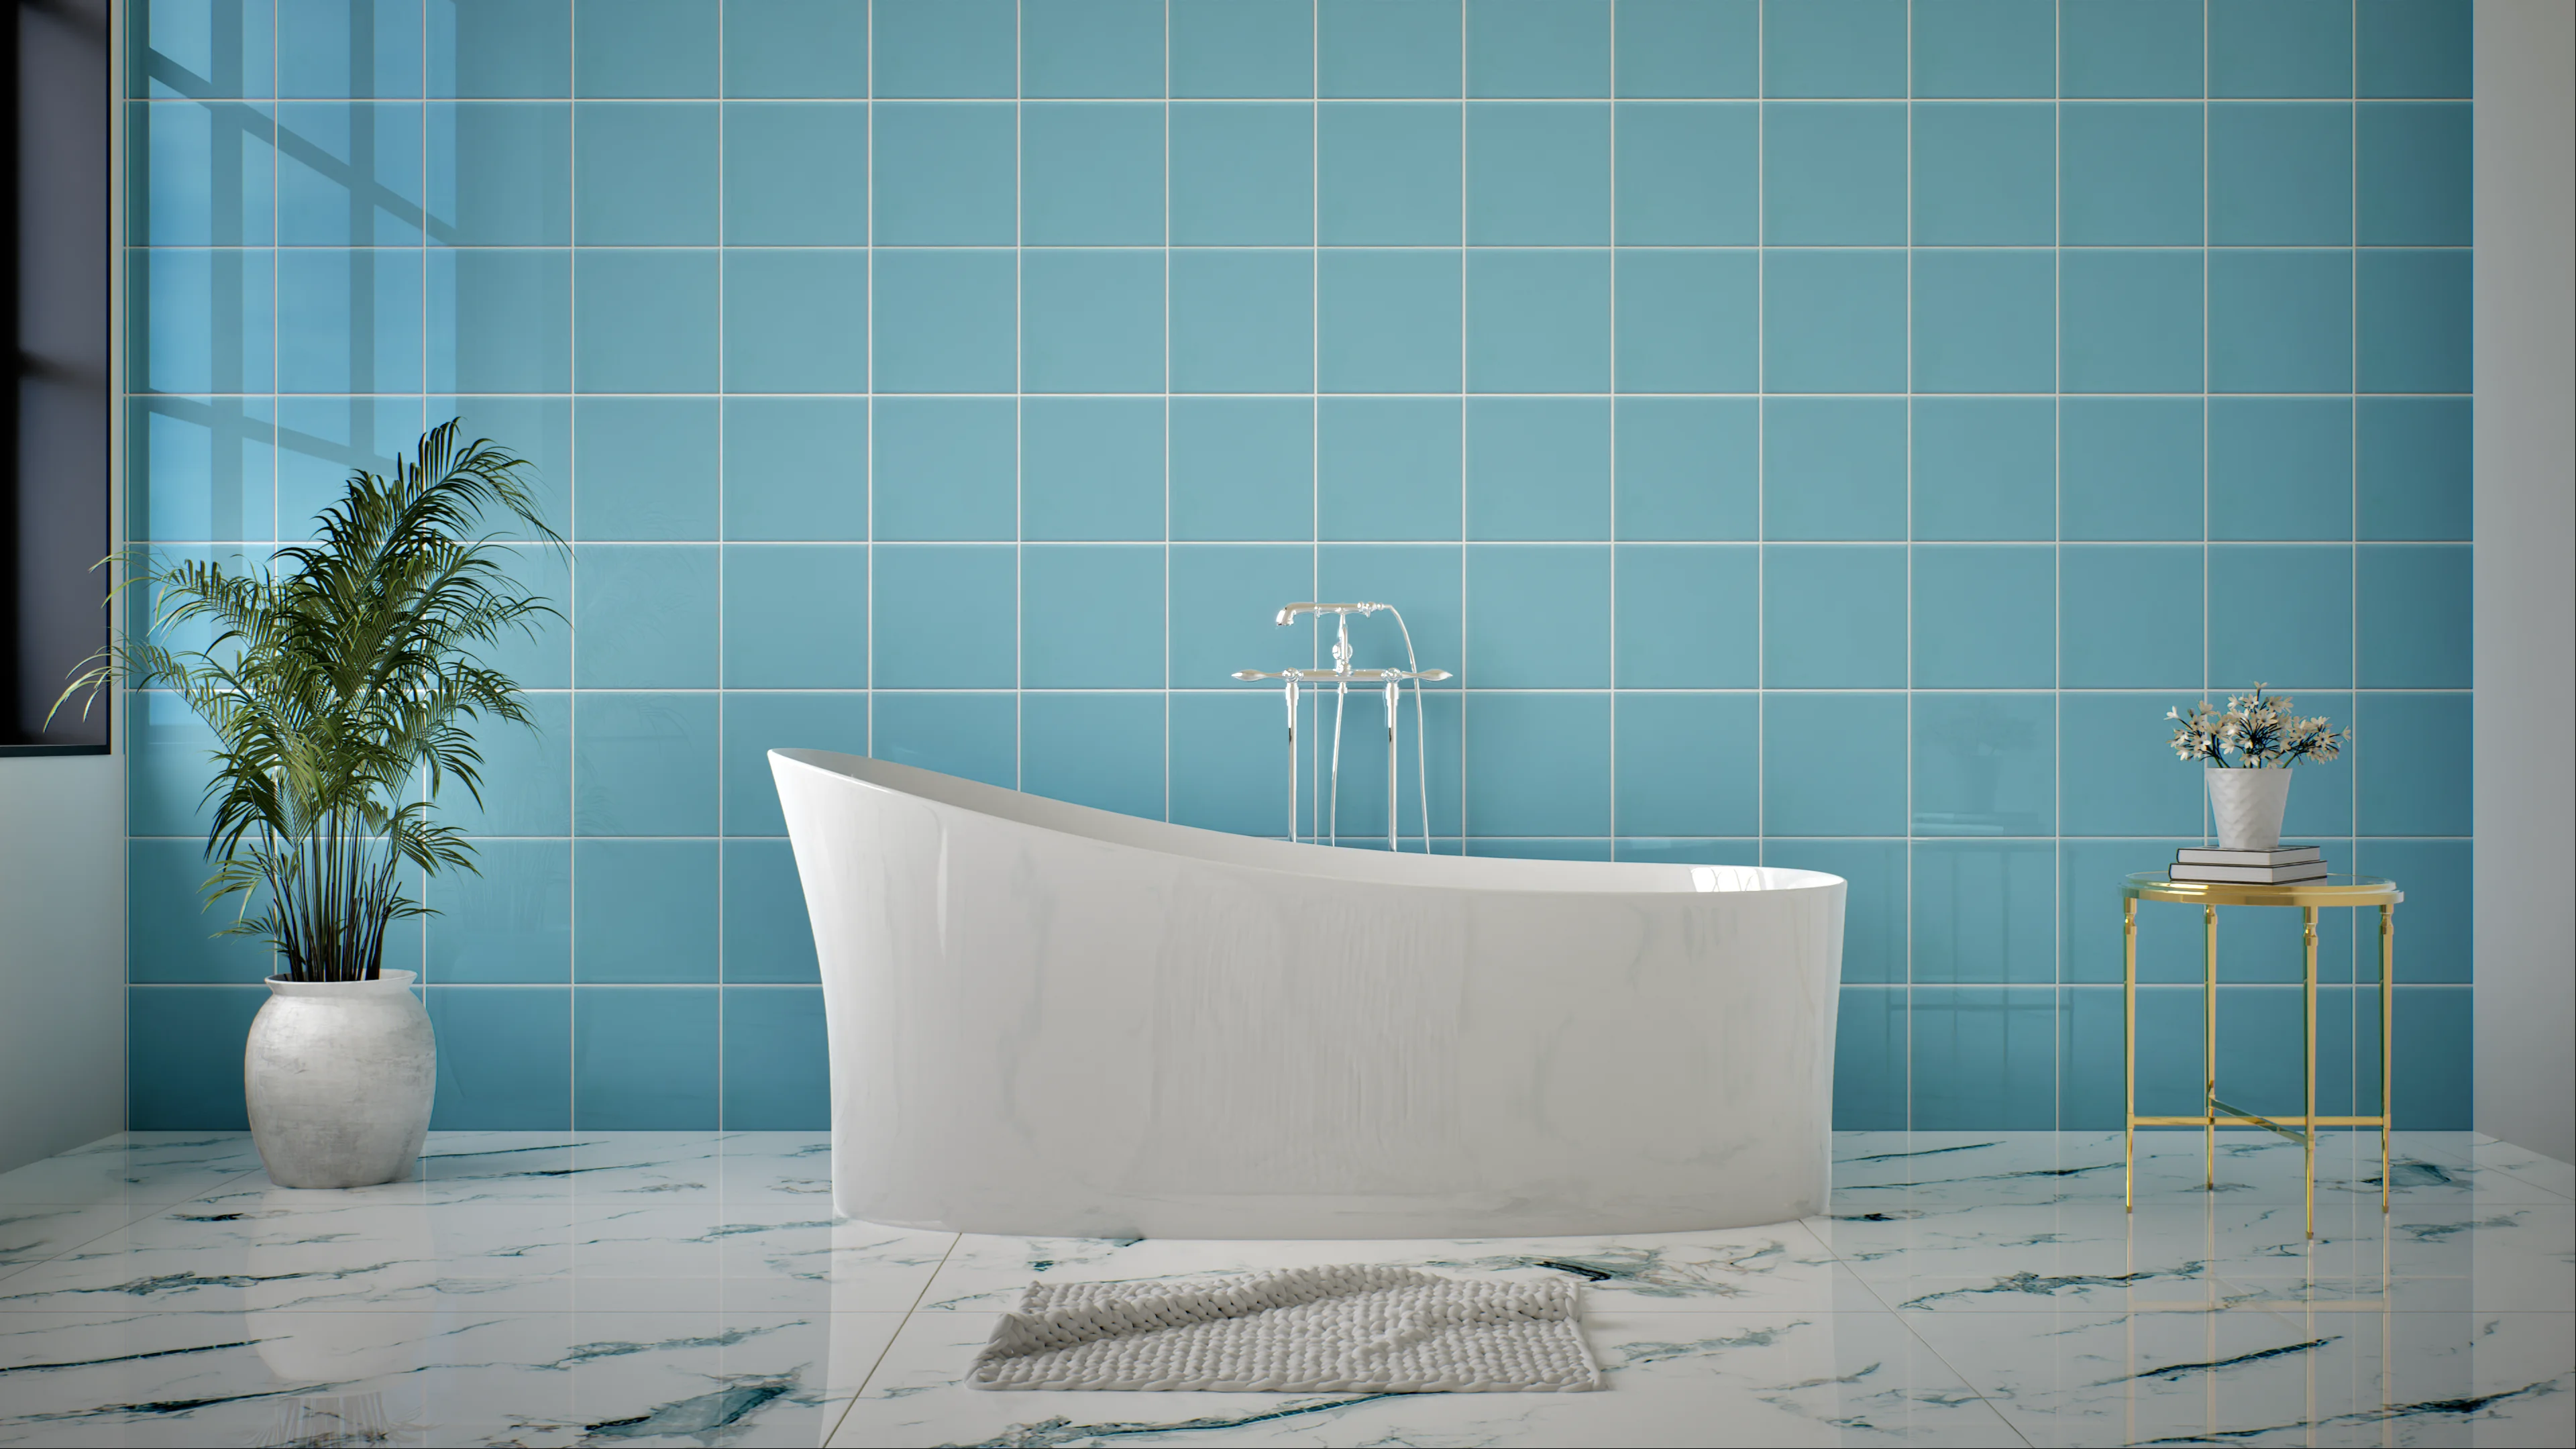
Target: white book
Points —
{"points": [[2249, 874], [2211, 855]]}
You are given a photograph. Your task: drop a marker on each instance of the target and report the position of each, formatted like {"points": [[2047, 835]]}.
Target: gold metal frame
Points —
{"points": [[2309, 897]]}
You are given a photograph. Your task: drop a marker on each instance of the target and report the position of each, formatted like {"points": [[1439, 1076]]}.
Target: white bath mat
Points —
{"points": [[1342, 1329]]}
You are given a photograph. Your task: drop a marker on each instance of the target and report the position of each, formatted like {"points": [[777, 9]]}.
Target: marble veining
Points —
{"points": [[697, 1289]]}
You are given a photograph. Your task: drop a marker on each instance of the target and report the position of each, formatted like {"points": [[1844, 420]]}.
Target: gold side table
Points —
{"points": [[2309, 897]]}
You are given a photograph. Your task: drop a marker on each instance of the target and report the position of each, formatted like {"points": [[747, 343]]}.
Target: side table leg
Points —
{"points": [[2209, 1047], [2308, 918], [2387, 1000], [2128, 1055]]}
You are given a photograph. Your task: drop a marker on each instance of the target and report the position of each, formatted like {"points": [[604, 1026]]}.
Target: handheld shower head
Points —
{"points": [[1294, 612]]}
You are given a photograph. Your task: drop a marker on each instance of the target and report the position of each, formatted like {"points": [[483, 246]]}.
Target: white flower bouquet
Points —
{"points": [[2257, 731]]}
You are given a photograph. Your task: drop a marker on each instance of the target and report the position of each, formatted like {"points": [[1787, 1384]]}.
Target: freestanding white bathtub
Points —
{"points": [[1057, 1021]]}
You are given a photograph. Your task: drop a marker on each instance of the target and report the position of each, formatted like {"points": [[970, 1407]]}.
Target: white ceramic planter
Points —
{"points": [[339, 1075], [2247, 806]]}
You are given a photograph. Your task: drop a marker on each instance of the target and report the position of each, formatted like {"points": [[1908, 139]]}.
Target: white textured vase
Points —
{"points": [[339, 1075], [2247, 806]]}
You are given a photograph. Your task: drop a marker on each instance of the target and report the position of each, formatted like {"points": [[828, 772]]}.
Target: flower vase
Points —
{"points": [[339, 1077], [2247, 806]]}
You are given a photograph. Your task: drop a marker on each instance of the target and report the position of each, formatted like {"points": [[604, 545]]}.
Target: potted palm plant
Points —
{"points": [[343, 684]]}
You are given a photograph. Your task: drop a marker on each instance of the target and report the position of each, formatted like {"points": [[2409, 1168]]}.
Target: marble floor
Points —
{"points": [[644, 1288]]}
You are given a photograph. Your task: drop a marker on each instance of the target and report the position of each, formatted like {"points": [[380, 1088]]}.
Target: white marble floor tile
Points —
{"points": [[2547, 1173], [30, 1233], [1690, 1377], [133, 1167], [1874, 1170]]}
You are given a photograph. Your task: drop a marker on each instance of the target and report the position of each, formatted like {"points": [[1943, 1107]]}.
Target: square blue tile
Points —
{"points": [[500, 172], [2415, 163], [526, 775], [340, 48], [2280, 174], [183, 1065], [2132, 467], [1091, 468], [1388, 321], [1091, 174], [946, 47], [1985, 911], [2271, 49], [1538, 468], [1242, 468], [946, 321], [178, 152], [1389, 174], [1985, 321], [973, 736], [1224, 597], [1986, 764], [2435, 1082], [767, 936], [645, 47], [1234, 49], [1228, 771], [1834, 321], [1388, 47], [205, 468], [1091, 321], [645, 1058], [645, 910], [795, 48], [1538, 617], [1073, 598], [647, 320], [174, 932], [1538, 48], [1507, 732], [357, 180], [2437, 927], [1243, 321], [488, 49], [1833, 764], [651, 468], [504, 1058], [1538, 321], [1244, 175], [645, 614], [2130, 48], [1833, 617], [795, 616], [2130, 616], [2168, 941], [1689, 764], [2414, 47], [1869, 1060], [946, 468], [1833, 468], [1688, 48], [1688, 321], [1983, 1058], [1688, 850], [1100, 750], [2415, 616], [971, 642], [2148, 793], [1833, 175], [2415, 321], [795, 173], [646, 175], [2280, 468], [2281, 321], [2129, 174], [1985, 48], [945, 175], [2130, 321], [1985, 175], [1689, 468], [349, 321], [207, 322], [758, 721], [1834, 48], [1985, 468], [1091, 48], [1427, 581], [1873, 905], [537, 429], [777, 1062], [2413, 474], [1388, 468], [645, 764], [1985, 616], [1538, 175], [1690, 174], [796, 468], [1686, 615]]}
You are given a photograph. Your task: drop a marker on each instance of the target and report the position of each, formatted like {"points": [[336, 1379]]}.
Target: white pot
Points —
{"points": [[339, 1075], [2248, 805]]}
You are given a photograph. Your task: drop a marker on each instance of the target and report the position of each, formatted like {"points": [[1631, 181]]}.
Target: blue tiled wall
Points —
{"points": [[1827, 433]]}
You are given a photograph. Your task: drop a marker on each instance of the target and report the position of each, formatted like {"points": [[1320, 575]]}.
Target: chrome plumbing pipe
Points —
{"points": [[1342, 676]]}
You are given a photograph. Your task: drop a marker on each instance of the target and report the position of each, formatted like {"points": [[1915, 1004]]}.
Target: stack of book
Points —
{"points": [[2285, 866]]}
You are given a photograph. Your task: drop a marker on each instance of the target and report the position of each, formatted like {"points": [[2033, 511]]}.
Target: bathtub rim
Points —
{"points": [[1404, 870]]}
